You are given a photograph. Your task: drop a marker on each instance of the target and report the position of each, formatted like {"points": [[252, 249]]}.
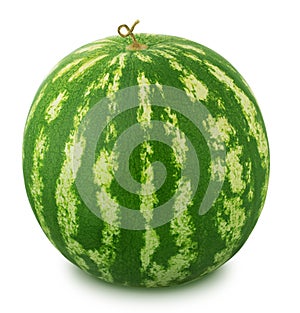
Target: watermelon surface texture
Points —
{"points": [[146, 167]]}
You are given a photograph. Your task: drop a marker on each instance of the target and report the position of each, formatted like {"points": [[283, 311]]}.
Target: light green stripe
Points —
{"points": [[100, 83], [249, 110], [65, 196], [220, 131], [230, 227], [193, 87], [67, 202], [235, 169], [177, 66], [104, 170], [148, 200], [230, 221], [55, 106], [178, 142], [219, 128], [231, 216], [256, 129], [84, 67], [151, 244], [189, 47], [249, 178], [147, 192], [181, 226], [144, 111], [95, 46], [174, 64], [143, 57], [65, 69], [148, 197], [37, 185], [113, 87], [192, 57]]}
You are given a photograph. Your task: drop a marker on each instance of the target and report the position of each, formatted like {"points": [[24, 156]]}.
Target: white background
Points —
{"points": [[261, 39]]}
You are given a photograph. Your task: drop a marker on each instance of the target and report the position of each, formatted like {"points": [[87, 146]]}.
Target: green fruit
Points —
{"points": [[146, 167]]}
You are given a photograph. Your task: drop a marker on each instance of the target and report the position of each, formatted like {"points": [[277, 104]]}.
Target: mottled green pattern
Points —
{"points": [[189, 245]]}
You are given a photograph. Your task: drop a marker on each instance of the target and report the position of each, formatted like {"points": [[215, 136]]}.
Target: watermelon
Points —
{"points": [[146, 159]]}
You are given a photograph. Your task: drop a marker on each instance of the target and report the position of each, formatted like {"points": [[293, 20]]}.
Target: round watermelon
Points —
{"points": [[146, 159]]}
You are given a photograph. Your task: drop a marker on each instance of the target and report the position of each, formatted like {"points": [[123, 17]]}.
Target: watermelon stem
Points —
{"points": [[135, 45]]}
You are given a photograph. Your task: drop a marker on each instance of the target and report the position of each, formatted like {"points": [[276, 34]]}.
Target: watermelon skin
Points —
{"points": [[229, 141]]}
